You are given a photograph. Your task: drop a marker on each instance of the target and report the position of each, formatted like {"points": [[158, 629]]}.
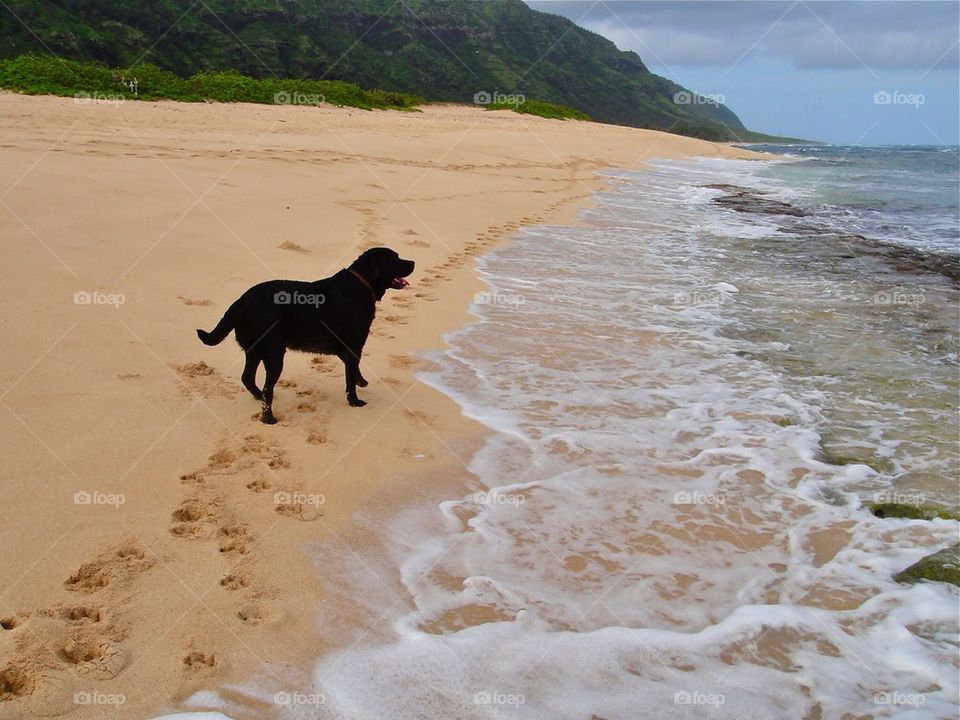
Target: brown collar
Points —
{"points": [[366, 282]]}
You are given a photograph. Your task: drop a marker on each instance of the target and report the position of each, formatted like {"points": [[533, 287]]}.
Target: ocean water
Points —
{"points": [[901, 194], [690, 410]]}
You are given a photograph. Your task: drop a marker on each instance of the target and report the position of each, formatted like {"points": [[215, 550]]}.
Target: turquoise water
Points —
{"points": [[900, 194]]}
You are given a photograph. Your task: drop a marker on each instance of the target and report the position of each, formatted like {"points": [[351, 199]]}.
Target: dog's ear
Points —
{"points": [[364, 263], [370, 265]]}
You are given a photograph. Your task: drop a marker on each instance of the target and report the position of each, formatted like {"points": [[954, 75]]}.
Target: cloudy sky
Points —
{"points": [[871, 73]]}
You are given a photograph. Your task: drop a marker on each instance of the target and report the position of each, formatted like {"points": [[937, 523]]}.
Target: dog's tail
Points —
{"points": [[223, 328]]}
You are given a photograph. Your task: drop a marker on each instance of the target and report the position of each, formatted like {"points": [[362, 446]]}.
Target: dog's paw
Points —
{"points": [[361, 382], [268, 419], [356, 402]]}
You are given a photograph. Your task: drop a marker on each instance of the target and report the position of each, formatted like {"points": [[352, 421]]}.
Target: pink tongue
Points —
{"points": [[400, 281]]}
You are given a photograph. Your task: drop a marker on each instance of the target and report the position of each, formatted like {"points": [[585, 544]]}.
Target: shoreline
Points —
{"points": [[198, 579], [499, 587]]}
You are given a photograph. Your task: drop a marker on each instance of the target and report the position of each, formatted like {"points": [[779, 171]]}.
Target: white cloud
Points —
{"points": [[826, 35]]}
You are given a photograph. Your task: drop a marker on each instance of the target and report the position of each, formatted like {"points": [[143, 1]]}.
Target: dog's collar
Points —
{"points": [[366, 283]]}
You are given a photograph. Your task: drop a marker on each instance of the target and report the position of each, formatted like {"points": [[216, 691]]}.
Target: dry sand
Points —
{"points": [[180, 565]]}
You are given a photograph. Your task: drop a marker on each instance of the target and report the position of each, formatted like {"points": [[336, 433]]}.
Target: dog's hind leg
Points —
{"points": [[273, 362], [249, 376]]}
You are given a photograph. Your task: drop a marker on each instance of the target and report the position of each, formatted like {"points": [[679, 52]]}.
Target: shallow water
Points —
{"points": [[899, 194], [690, 408]]}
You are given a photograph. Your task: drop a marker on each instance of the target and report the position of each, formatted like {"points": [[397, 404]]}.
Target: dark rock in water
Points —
{"points": [[746, 200], [735, 189], [845, 454], [928, 511], [840, 245], [942, 566], [916, 259], [913, 512], [806, 229]]}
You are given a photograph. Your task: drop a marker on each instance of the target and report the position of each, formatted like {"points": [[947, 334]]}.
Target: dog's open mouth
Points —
{"points": [[399, 283]]}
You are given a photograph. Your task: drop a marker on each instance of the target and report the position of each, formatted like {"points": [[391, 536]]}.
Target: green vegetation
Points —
{"points": [[46, 75], [755, 137], [35, 75], [542, 109], [443, 50], [943, 566]]}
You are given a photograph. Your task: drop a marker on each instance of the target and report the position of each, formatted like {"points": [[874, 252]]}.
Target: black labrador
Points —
{"points": [[330, 316]]}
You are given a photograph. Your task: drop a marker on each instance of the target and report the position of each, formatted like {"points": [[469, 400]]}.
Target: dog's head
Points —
{"points": [[383, 269]]}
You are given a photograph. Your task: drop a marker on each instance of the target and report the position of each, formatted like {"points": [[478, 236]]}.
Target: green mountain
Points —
{"points": [[445, 50]]}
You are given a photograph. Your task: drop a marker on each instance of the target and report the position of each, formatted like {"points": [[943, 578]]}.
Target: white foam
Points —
{"points": [[655, 531]]}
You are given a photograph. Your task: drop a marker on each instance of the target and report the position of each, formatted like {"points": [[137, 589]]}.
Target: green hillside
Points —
{"points": [[447, 50]]}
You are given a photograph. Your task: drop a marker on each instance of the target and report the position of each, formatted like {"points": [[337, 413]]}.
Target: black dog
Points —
{"points": [[330, 316]]}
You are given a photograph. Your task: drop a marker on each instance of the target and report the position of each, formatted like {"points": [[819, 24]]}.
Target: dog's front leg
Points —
{"points": [[351, 371]]}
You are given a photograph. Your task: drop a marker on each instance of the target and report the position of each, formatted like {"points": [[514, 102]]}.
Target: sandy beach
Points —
{"points": [[154, 532]]}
